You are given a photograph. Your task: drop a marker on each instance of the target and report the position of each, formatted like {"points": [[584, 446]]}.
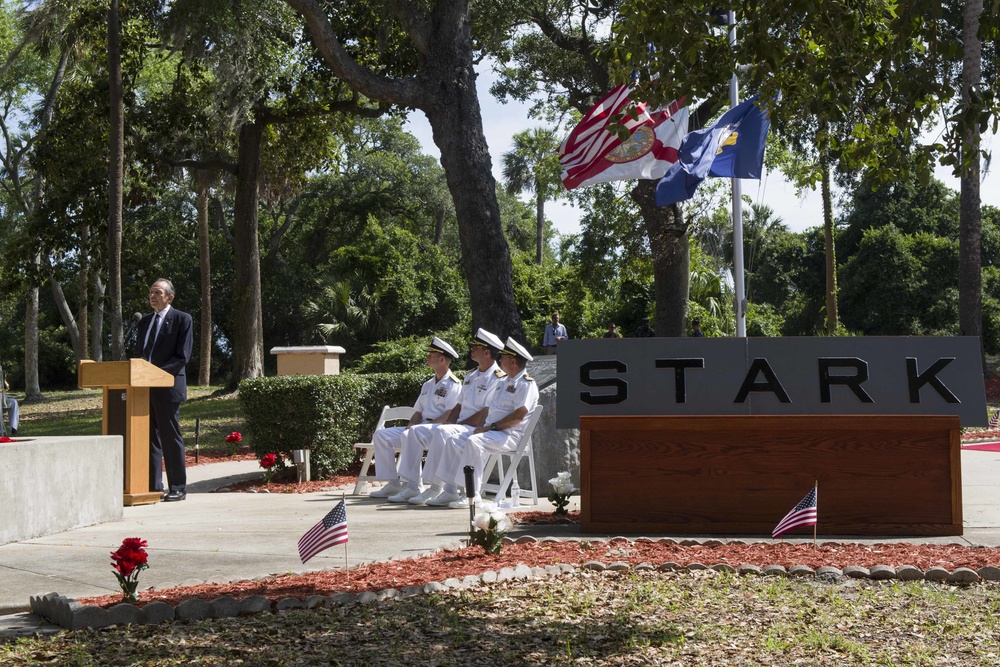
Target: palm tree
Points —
{"points": [[533, 165]]}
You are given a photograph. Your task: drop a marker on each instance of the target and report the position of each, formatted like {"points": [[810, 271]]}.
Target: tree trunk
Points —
{"points": [[248, 343], [116, 177], [832, 318], [970, 287], [32, 391], [84, 300], [67, 315], [439, 227], [668, 243], [204, 255], [457, 125], [97, 318], [539, 226]]}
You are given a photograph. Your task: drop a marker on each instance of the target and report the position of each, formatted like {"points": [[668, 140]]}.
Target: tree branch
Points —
{"points": [[405, 92]]}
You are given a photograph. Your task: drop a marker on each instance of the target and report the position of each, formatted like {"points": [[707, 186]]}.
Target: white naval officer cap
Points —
{"points": [[515, 349], [487, 338], [438, 345]]}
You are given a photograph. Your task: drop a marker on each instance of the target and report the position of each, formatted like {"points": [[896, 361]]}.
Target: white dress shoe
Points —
{"points": [[463, 503], [425, 496], [404, 495], [443, 499], [390, 489]]}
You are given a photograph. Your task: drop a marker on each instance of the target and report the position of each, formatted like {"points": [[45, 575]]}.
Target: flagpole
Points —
{"points": [[739, 302], [343, 499], [816, 489]]}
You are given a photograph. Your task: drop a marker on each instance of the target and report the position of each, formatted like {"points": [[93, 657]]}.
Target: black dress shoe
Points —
{"points": [[174, 496]]}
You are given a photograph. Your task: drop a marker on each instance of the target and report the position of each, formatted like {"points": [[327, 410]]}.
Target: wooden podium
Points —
{"points": [[126, 413]]}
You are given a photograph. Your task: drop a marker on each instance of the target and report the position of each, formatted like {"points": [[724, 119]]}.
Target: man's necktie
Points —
{"points": [[154, 331]]}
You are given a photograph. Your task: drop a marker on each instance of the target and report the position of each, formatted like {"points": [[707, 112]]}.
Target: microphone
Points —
{"points": [[130, 332]]}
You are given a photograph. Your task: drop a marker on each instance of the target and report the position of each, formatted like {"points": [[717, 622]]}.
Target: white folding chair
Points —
{"points": [[524, 449], [401, 413]]}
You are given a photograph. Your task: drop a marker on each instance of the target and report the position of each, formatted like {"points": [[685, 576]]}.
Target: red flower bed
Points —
{"points": [[443, 565]]}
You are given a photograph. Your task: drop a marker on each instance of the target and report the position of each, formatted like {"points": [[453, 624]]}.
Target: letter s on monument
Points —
{"points": [[603, 399]]}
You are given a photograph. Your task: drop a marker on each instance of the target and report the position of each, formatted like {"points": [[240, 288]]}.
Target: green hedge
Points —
{"points": [[323, 413]]}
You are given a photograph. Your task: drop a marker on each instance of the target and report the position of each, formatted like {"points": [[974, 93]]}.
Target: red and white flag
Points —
{"points": [[995, 419], [803, 514], [330, 531], [594, 154]]}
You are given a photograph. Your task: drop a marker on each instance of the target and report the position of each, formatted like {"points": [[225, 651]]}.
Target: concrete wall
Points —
{"points": [[556, 449], [48, 485]]}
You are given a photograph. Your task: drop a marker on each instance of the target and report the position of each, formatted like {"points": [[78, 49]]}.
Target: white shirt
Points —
{"points": [[478, 390], [514, 392], [438, 396], [155, 324]]}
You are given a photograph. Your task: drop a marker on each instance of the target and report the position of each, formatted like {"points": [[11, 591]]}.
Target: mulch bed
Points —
{"points": [[472, 561]]}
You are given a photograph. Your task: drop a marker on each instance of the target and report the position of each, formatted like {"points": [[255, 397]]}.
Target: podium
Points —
{"points": [[126, 413]]}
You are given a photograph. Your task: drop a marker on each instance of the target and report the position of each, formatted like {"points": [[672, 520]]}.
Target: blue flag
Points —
{"points": [[732, 148]]}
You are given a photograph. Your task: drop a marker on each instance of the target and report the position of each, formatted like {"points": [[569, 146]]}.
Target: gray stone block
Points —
{"points": [[435, 587], [553, 569], [594, 565], [909, 573], [225, 607], [488, 577], [505, 574], [712, 543], [775, 570], [452, 582], [963, 575], [156, 612], [748, 568], [724, 567], [936, 574], [669, 566], [645, 567], [539, 573], [471, 580], [619, 566], [314, 601], [124, 613], [990, 573], [387, 594], [341, 599], [690, 543], [693, 567], [566, 567], [255, 604], [522, 572], [289, 603], [367, 597], [881, 572], [193, 610], [669, 541], [828, 573], [801, 571], [526, 539], [856, 572], [90, 617]]}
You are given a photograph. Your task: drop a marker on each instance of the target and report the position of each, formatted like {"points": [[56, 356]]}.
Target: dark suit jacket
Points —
{"points": [[172, 352]]}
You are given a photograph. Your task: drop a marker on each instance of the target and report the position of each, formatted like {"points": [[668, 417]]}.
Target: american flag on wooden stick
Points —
{"points": [[995, 419], [803, 514], [330, 531]]}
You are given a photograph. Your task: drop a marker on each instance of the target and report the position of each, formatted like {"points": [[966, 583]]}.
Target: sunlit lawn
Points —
{"points": [[78, 412]]}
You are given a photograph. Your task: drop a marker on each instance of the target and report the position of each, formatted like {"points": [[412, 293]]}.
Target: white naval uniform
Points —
{"points": [[437, 397], [475, 448], [478, 389]]}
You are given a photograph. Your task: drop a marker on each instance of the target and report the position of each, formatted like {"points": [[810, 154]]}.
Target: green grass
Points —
{"points": [[78, 412]]}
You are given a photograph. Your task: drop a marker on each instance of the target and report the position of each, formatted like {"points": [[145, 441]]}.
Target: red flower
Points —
{"points": [[235, 436], [129, 557], [268, 461]]}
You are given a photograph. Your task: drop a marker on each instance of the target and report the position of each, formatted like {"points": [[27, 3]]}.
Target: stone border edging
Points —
{"points": [[71, 615]]}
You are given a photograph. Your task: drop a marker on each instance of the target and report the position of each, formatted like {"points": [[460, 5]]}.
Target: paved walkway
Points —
{"points": [[219, 537]]}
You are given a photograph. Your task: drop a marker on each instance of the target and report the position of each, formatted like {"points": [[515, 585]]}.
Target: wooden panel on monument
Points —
{"points": [[708, 475], [126, 412]]}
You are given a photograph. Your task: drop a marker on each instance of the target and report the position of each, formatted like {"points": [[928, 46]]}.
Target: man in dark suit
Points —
{"points": [[164, 339]]}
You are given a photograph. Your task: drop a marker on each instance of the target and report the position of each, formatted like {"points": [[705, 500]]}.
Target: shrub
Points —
{"points": [[323, 413]]}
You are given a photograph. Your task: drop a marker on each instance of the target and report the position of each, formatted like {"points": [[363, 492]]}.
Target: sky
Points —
{"points": [[502, 121]]}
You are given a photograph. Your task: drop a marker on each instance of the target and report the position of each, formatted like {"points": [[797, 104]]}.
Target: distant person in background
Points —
{"points": [[644, 330], [554, 334], [612, 331], [696, 331]]}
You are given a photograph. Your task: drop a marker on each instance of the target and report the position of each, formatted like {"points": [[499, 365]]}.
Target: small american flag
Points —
{"points": [[995, 419], [803, 514], [329, 532]]}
